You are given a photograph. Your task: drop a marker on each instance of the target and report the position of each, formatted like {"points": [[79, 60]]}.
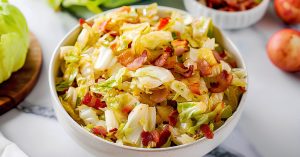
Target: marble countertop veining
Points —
{"points": [[270, 125]]}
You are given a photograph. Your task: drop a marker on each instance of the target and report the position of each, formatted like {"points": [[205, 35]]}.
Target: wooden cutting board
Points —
{"points": [[21, 82]]}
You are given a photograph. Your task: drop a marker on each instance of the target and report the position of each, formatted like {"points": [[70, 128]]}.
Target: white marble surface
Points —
{"points": [[271, 121]]}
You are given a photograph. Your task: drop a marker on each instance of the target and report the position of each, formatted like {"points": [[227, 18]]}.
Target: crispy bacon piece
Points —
{"points": [[204, 128], [113, 130], [148, 137], [163, 136], [222, 82], [180, 46], [162, 59], [173, 117], [231, 5], [204, 68], [159, 95], [93, 101], [195, 88], [126, 57], [99, 130], [171, 61], [138, 62], [184, 71], [160, 138]]}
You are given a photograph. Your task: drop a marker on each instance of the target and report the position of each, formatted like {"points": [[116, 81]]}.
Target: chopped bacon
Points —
{"points": [[138, 62], [204, 68], [180, 46], [242, 89], [87, 98], [232, 63], [159, 95], [217, 56], [207, 132], [163, 136], [126, 57], [127, 109], [173, 117], [113, 130], [163, 22], [171, 61], [99, 130], [93, 101], [148, 137], [162, 59], [231, 5], [159, 138], [195, 88], [222, 82], [184, 71], [99, 104]]}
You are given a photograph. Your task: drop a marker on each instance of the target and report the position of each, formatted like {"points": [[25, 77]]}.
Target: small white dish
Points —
{"points": [[103, 148], [228, 20]]}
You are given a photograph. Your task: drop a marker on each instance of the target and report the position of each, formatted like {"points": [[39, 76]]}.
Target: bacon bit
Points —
{"points": [[138, 62], [163, 22], [217, 56], [163, 136], [204, 128], [195, 88], [113, 33], [180, 46], [232, 63], [160, 138], [172, 103], [204, 67], [127, 109], [93, 101], [182, 70], [129, 45], [99, 104], [148, 137], [87, 98], [104, 25], [162, 60], [173, 117], [171, 62], [99, 130], [113, 130], [126, 57], [159, 95], [223, 81], [242, 89]]}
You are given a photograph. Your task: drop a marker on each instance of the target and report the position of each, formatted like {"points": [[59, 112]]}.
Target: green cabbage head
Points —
{"points": [[14, 39]]}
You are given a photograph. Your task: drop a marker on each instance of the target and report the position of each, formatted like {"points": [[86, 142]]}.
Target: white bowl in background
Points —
{"points": [[228, 20], [103, 148]]}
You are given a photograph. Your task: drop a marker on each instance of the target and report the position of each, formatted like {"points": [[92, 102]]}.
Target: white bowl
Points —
{"points": [[228, 20], [101, 147]]}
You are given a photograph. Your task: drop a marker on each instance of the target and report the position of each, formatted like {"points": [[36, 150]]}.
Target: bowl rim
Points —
{"points": [[252, 10], [57, 103]]}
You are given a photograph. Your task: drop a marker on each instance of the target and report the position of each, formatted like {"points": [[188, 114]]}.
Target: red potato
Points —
{"points": [[284, 50], [288, 10]]}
